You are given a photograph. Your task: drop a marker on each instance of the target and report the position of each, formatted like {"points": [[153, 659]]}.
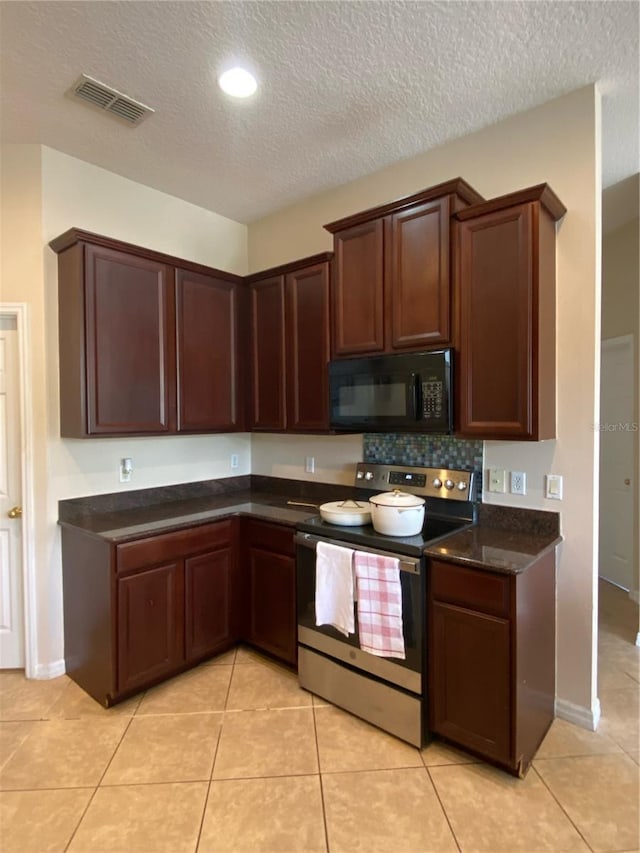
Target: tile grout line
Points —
{"points": [[210, 783], [324, 811], [534, 769], [95, 790], [215, 752], [444, 811]]}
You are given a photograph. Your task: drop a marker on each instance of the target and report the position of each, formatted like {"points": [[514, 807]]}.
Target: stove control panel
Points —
{"points": [[429, 482]]}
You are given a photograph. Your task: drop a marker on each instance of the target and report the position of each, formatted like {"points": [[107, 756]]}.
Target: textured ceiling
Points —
{"points": [[346, 87]]}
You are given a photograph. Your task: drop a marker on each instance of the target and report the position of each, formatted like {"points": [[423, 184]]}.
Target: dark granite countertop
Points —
{"points": [[504, 540], [499, 550], [125, 524]]}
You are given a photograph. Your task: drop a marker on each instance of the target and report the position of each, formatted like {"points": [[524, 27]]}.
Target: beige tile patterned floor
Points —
{"points": [[232, 757]]}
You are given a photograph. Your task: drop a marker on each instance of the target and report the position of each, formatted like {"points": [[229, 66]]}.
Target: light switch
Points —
{"points": [[497, 480], [553, 488], [126, 469]]}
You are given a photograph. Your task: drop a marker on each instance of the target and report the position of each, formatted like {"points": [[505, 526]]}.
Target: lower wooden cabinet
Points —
{"points": [[150, 625], [271, 589], [141, 611], [210, 597], [471, 678], [492, 659], [144, 610]]}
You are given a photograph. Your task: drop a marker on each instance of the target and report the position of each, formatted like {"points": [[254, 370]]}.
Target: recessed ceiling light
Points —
{"points": [[238, 83]]}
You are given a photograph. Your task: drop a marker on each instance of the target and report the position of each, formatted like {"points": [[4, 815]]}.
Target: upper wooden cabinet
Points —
{"points": [[290, 346], [207, 352], [148, 342], [506, 364], [392, 286], [268, 354]]}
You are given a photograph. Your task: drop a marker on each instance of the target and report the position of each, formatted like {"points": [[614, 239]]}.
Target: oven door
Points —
{"points": [[405, 673]]}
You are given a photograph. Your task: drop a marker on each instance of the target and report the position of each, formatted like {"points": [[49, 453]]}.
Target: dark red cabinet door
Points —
{"points": [[307, 342], [470, 678], [358, 289], [268, 353], [130, 358], [497, 363], [270, 583], [419, 290], [150, 625], [272, 619], [206, 340], [209, 600]]}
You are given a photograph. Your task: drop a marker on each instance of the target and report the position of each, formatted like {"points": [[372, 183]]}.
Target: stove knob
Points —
{"points": [[368, 475], [359, 475], [449, 484], [462, 486], [437, 483]]}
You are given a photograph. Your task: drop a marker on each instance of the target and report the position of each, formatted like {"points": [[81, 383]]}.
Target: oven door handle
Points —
{"points": [[407, 564]]}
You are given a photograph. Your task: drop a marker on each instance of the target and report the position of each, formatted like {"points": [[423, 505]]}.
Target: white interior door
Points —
{"points": [[616, 462], [11, 594]]}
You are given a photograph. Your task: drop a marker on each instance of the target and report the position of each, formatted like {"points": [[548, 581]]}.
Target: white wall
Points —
{"points": [[285, 456], [44, 193], [558, 143]]}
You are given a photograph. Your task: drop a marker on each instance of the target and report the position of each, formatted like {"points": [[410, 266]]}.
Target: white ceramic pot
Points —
{"points": [[348, 513], [397, 513]]}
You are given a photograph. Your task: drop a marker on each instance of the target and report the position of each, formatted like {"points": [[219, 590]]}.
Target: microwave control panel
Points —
{"points": [[433, 399]]}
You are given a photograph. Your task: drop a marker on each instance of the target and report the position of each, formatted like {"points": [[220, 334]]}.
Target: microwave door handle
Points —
{"points": [[416, 396]]}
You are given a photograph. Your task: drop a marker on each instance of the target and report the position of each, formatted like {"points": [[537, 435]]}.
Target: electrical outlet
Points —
{"points": [[126, 469], [309, 464], [518, 484], [234, 460], [553, 487], [497, 480]]}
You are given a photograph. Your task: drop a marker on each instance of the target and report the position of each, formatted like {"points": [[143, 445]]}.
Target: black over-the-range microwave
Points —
{"points": [[409, 392]]}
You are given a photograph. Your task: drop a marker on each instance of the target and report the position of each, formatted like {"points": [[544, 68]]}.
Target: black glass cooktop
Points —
{"points": [[366, 536]]}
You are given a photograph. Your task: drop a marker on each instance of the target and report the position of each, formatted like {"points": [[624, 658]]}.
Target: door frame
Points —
{"points": [[20, 310], [627, 342]]}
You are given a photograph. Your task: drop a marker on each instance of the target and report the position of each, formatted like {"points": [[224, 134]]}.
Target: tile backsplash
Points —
{"points": [[428, 451]]}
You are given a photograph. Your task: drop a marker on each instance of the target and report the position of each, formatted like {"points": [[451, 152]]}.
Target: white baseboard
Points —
{"points": [[50, 670], [634, 595], [638, 639], [584, 717]]}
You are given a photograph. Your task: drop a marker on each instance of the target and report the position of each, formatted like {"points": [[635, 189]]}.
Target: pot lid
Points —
{"points": [[348, 507], [396, 498]]}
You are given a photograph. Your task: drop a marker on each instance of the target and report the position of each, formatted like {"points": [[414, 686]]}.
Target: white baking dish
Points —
{"points": [[348, 513]]}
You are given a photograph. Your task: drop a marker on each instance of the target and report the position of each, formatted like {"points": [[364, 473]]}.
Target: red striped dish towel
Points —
{"points": [[379, 605]]}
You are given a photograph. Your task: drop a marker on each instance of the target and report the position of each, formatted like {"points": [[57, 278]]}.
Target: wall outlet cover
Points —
{"points": [[518, 484]]}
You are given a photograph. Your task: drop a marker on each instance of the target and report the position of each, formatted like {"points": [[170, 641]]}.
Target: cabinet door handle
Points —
{"points": [[152, 603]]}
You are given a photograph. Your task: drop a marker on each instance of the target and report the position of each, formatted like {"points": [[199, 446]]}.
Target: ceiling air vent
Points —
{"points": [[110, 100]]}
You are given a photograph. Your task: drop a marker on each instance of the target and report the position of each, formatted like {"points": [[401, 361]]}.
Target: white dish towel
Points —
{"points": [[334, 587]]}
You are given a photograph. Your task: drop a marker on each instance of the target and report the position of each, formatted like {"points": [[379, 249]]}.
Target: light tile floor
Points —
{"points": [[233, 756]]}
